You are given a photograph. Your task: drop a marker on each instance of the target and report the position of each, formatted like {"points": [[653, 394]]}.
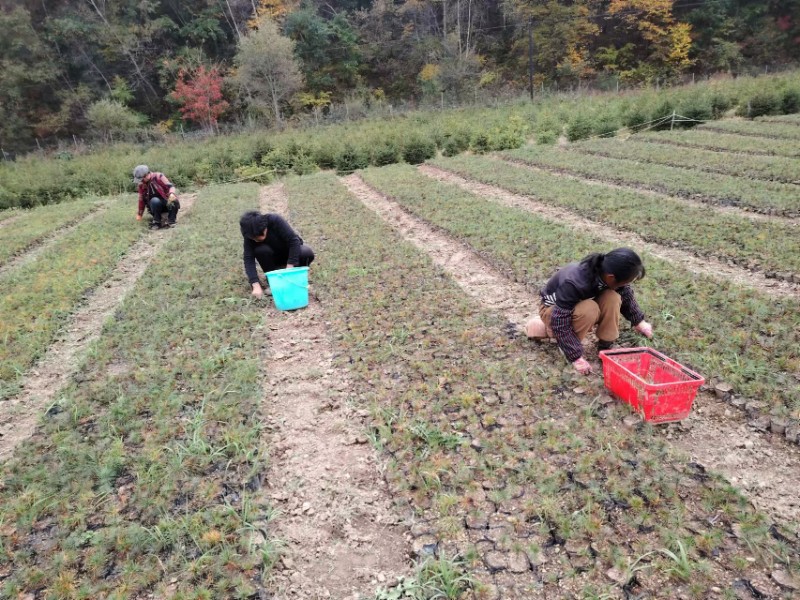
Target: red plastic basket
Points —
{"points": [[657, 387]]}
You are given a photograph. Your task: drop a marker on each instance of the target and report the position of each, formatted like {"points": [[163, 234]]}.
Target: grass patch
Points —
{"points": [[714, 188], [754, 245], [38, 299], [725, 142], [143, 478], [31, 226], [756, 128], [772, 168]]}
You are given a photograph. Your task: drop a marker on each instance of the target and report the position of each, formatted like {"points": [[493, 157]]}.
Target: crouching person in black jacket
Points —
{"points": [[593, 292], [271, 241]]}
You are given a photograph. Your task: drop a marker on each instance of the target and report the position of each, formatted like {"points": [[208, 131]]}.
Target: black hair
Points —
{"points": [[623, 263], [252, 223]]}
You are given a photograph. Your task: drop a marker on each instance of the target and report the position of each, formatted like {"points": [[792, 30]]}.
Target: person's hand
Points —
{"points": [[257, 291], [645, 329], [138, 217], [171, 201], [582, 366], [290, 266]]}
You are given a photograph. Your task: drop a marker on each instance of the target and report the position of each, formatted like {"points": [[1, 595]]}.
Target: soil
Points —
{"points": [[340, 534], [30, 253], [712, 435], [700, 265], [764, 466], [40, 385]]}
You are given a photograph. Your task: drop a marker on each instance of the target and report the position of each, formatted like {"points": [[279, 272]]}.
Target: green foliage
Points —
{"points": [[766, 102], [698, 108], [434, 578], [790, 101], [254, 173], [548, 128], [386, 153], [580, 127], [456, 142], [109, 119], [32, 308], [704, 138], [606, 125], [35, 180], [720, 103], [417, 150], [33, 226], [635, 116], [351, 158]]}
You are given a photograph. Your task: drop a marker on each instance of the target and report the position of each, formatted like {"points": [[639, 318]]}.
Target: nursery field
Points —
{"points": [[165, 435]]}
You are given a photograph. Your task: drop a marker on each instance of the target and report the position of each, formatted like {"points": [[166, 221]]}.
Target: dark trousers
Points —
{"points": [[270, 261], [156, 206]]}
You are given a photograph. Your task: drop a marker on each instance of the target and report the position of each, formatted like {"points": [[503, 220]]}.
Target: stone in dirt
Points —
{"points": [[425, 546], [617, 576], [755, 408], [518, 562], [784, 579], [723, 390], [778, 425], [760, 423], [477, 522], [496, 561], [631, 421]]}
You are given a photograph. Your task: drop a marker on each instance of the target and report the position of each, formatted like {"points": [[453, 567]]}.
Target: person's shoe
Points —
{"points": [[537, 330], [603, 345], [155, 225], [172, 224]]}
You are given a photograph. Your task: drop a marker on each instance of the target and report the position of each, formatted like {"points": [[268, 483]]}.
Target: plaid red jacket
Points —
{"points": [[158, 186]]}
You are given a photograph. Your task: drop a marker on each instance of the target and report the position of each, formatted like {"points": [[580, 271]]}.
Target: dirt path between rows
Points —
{"points": [[341, 536], [37, 248], [641, 189], [700, 265], [21, 414], [766, 468], [8, 221]]}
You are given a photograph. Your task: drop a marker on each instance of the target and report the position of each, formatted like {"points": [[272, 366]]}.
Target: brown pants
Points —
{"points": [[603, 311]]}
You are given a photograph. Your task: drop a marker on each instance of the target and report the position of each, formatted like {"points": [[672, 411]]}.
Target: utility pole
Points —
{"points": [[530, 56]]}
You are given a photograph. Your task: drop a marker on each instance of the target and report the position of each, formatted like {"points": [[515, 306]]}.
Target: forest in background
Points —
{"points": [[104, 69]]}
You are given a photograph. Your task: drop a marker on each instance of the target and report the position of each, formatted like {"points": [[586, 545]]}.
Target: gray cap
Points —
{"points": [[139, 173]]}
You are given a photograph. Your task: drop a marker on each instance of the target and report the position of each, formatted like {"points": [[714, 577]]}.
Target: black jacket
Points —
{"points": [[281, 238]]}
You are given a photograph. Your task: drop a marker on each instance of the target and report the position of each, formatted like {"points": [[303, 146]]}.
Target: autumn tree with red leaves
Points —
{"points": [[200, 96]]}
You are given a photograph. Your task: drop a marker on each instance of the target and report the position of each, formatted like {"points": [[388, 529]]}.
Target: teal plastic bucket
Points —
{"points": [[289, 287]]}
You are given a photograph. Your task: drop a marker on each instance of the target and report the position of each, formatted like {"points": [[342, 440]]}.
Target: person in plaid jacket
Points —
{"points": [[156, 193]]}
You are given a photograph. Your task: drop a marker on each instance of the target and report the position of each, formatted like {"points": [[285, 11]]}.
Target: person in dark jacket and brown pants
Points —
{"points": [[593, 292], [271, 241]]}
